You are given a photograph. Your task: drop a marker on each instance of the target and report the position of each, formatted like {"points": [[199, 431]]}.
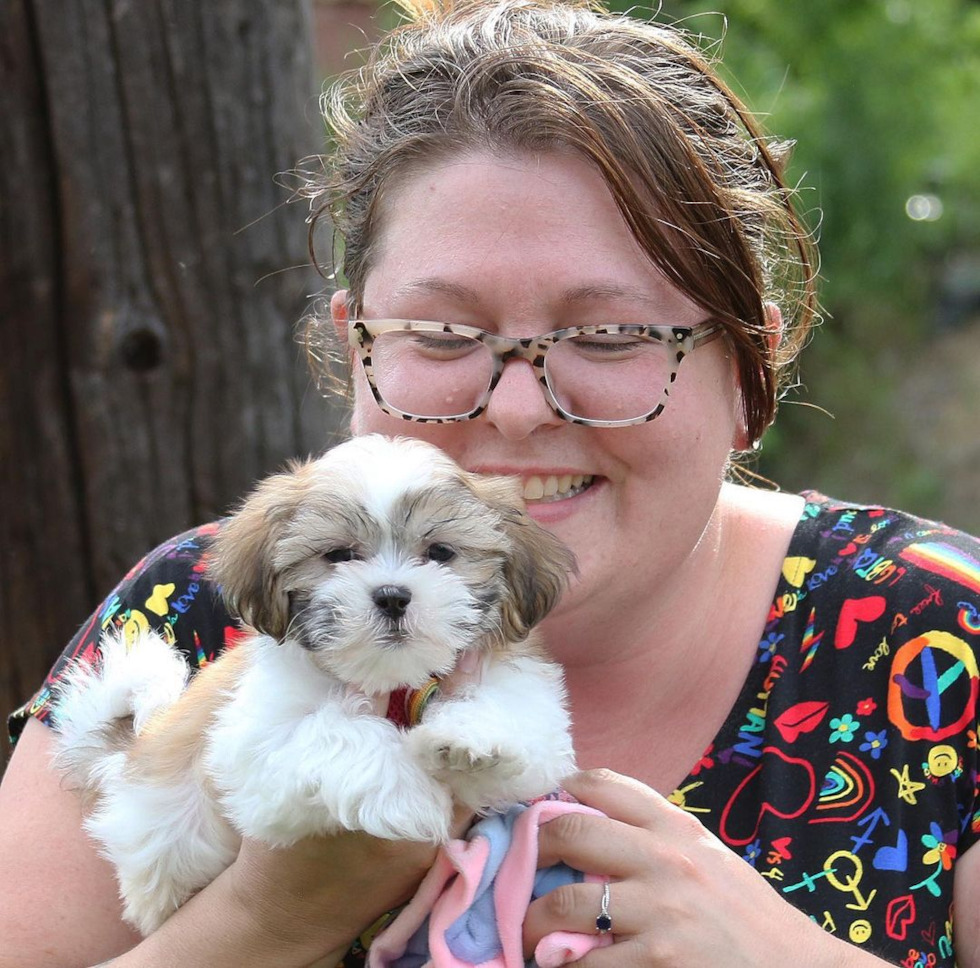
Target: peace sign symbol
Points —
{"points": [[922, 700]]}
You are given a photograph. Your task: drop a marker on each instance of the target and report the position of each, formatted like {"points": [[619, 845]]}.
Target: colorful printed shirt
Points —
{"points": [[846, 773]]}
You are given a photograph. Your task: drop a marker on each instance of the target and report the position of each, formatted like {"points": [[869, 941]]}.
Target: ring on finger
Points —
{"points": [[603, 921]]}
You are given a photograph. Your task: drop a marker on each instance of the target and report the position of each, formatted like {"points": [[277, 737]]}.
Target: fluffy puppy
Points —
{"points": [[374, 568]]}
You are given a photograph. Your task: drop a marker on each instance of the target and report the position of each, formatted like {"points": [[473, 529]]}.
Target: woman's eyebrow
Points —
{"points": [[434, 284], [607, 291]]}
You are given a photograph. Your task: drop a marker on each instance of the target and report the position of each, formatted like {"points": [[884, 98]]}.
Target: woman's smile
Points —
{"points": [[553, 488]]}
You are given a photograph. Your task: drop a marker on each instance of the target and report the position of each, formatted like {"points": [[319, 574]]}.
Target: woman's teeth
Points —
{"points": [[555, 488]]}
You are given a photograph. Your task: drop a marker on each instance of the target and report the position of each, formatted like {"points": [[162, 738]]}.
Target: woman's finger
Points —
{"points": [[617, 796], [463, 817], [467, 672], [578, 908], [622, 954], [591, 844]]}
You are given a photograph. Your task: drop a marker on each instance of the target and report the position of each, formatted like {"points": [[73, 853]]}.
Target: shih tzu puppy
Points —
{"points": [[374, 568]]}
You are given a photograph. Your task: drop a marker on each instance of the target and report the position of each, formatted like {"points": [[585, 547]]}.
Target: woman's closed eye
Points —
{"points": [[611, 344], [443, 345]]}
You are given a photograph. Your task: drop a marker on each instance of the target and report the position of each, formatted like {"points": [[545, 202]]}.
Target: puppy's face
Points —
{"points": [[387, 561]]}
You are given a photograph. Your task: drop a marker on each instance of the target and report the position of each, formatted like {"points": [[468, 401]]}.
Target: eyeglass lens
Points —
{"points": [[593, 377]]}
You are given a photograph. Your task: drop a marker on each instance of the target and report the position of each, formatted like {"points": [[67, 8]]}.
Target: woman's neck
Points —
{"points": [[651, 685]]}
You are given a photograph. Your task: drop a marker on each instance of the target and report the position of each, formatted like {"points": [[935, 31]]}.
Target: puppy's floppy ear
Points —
{"points": [[538, 567], [243, 553]]}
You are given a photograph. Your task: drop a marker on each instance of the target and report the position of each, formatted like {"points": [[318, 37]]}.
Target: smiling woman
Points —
{"points": [[570, 258]]}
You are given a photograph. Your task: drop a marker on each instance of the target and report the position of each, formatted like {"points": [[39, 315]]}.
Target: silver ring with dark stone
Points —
{"points": [[603, 923]]}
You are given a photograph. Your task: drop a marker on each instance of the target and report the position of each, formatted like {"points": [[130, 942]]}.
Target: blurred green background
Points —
{"points": [[883, 100]]}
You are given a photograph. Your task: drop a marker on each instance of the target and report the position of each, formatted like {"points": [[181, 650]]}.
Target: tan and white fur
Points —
{"points": [[375, 567]]}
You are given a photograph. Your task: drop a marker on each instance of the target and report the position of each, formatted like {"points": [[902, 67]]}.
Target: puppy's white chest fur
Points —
{"points": [[324, 762]]}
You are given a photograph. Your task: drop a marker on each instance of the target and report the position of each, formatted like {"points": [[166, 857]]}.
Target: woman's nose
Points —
{"points": [[517, 405]]}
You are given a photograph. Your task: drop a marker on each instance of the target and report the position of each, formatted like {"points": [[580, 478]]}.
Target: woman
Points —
{"points": [[773, 678]]}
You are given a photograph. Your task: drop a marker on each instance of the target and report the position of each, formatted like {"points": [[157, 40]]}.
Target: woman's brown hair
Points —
{"points": [[697, 182]]}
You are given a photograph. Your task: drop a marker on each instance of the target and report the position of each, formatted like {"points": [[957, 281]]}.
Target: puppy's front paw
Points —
{"points": [[479, 772], [450, 756]]}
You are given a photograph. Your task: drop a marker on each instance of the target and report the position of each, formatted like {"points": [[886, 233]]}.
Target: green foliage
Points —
{"points": [[882, 98]]}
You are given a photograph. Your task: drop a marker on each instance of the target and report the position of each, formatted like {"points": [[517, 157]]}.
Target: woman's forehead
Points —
{"points": [[540, 228]]}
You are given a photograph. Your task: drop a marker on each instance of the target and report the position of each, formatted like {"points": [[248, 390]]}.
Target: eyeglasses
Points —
{"points": [[598, 376]]}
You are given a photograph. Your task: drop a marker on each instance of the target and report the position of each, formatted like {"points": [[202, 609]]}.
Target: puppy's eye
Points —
{"points": [[440, 553], [340, 554]]}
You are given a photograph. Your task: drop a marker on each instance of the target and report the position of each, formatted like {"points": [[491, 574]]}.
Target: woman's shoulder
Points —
{"points": [[872, 663], [882, 547], [878, 573], [877, 601], [168, 591]]}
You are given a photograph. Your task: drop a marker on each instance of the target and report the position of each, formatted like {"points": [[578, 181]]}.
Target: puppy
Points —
{"points": [[374, 568]]}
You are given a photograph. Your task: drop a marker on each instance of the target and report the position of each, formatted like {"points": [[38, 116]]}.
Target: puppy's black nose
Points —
{"points": [[392, 599]]}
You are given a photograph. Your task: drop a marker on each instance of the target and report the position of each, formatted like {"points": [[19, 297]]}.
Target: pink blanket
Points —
{"points": [[471, 891]]}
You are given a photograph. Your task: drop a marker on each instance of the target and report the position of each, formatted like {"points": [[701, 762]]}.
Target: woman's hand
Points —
{"points": [[294, 907], [678, 896], [322, 892]]}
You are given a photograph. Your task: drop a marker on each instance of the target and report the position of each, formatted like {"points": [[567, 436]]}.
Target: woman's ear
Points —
{"points": [[338, 313], [774, 326], [774, 336]]}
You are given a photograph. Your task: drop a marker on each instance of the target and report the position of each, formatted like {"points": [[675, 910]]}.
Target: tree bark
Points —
{"points": [[151, 281]]}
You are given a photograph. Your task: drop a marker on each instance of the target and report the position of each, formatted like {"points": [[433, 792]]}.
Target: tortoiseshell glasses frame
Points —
{"points": [[675, 342]]}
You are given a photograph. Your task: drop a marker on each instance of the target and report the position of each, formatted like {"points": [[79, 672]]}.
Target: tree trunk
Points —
{"points": [[151, 281]]}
